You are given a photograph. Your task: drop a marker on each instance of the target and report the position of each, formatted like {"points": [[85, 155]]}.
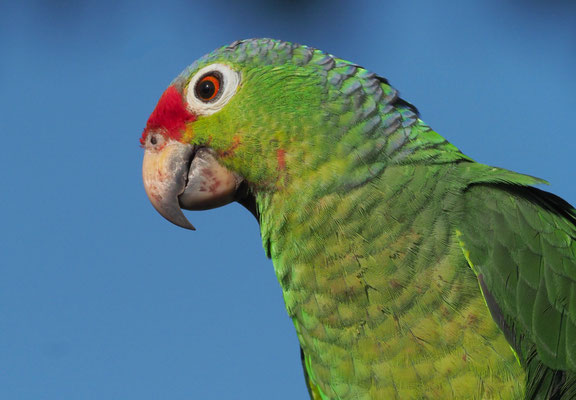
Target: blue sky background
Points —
{"points": [[100, 297]]}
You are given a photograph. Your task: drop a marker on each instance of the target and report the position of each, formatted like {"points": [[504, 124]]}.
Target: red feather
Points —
{"points": [[169, 117]]}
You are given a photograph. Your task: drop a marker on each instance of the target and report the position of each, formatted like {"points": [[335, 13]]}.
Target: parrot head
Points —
{"points": [[258, 115], [231, 120]]}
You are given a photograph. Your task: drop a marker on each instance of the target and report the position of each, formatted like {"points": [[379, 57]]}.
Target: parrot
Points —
{"points": [[409, 270]]}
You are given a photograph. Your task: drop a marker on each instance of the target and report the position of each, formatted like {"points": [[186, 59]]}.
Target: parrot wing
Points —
{"points": [[521, 243]]}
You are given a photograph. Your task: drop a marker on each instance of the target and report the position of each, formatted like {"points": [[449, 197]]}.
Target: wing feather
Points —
{"points": [[522, 241]]}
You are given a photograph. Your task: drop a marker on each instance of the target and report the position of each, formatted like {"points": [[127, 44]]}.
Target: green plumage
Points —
{"points": [[410, 271]]}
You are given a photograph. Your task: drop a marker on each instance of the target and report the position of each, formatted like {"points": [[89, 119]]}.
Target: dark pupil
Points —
{"points": [[205, 89]]}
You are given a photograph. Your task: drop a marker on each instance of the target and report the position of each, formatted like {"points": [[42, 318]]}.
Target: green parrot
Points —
{"points": [[410, 271]]}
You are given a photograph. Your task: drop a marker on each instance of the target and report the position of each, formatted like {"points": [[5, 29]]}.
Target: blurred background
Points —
{"points": [[100, 298]]}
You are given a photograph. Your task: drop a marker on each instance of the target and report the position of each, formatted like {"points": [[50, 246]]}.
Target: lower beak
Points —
{"points": [[184, 176]]}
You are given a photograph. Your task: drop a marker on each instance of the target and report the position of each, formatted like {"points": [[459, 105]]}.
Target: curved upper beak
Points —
{"points": [[183, 176]]}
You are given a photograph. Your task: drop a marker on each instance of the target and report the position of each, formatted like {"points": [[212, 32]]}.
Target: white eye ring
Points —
{"points": [[229, 81]]}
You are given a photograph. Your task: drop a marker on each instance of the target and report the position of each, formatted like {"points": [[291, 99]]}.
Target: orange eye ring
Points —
{"points": [[207, 88]]}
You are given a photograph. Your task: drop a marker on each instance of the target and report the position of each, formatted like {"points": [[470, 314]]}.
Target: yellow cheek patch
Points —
{"points": [[188, 134]]}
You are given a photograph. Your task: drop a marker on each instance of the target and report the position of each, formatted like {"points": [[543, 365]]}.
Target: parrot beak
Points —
{"points": [[180, 176]]}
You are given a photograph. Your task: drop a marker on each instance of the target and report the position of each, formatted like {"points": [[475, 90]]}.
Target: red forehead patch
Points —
{"points": [[170, 116]]}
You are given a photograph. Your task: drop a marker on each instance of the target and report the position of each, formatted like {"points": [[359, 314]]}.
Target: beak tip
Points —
{"points": [[188, 226], [176, 216]]}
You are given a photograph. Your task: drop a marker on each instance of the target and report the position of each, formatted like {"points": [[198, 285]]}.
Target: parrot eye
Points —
{"points": [[208, 87], [211, 88]]}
